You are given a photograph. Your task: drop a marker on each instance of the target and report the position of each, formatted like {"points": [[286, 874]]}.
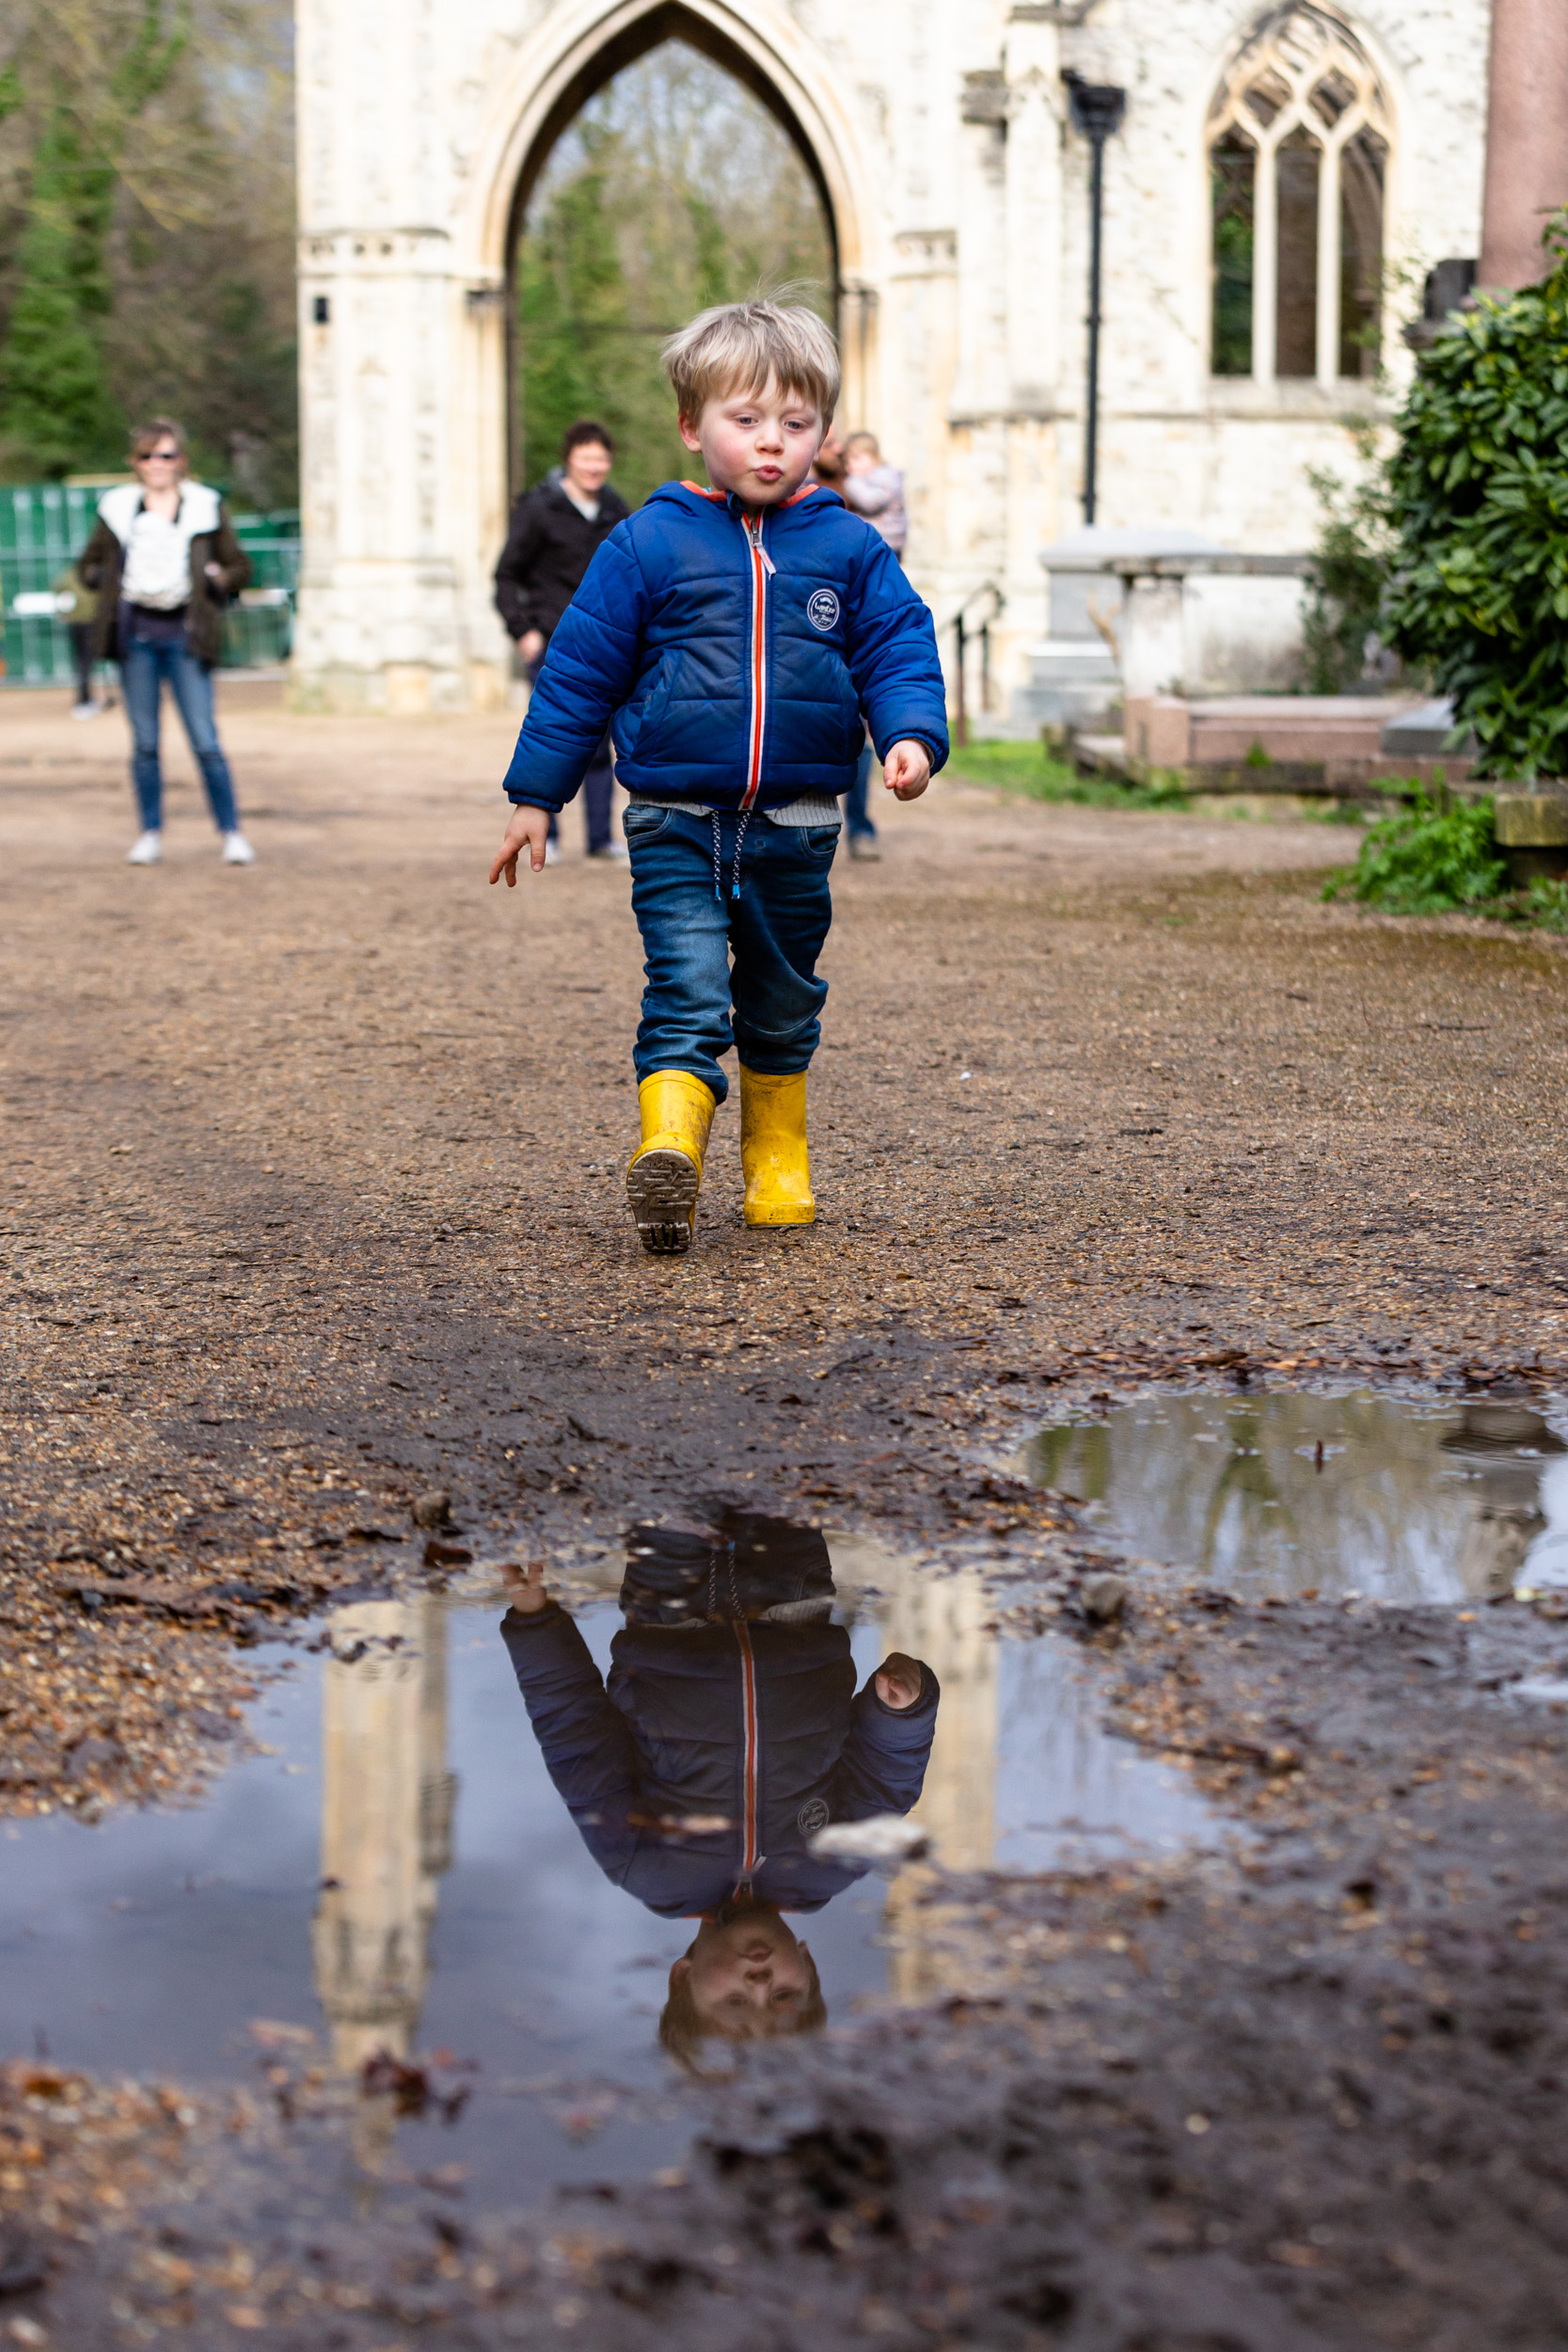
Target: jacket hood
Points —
{"points": [[198, 508], [691, 498]]}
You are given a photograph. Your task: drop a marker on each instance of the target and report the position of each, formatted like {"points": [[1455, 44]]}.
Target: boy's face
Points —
{"points": [[759, 445], [749, 1978]]}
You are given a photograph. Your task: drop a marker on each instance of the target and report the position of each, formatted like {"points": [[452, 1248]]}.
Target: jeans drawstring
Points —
{"points": [[719, 857]]}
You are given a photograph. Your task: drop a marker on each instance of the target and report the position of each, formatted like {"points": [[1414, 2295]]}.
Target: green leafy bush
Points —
{"points": [[1427, 860], [1477, 494]]}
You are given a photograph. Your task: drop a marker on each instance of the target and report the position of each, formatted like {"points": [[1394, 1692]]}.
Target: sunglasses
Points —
{"points": [[158, 456]]}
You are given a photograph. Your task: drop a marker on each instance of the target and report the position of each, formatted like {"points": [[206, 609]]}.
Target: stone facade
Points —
{"points": [[959, 194]]}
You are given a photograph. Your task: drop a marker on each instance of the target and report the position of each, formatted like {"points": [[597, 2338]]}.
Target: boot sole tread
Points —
{"points": [[661, 1192]]}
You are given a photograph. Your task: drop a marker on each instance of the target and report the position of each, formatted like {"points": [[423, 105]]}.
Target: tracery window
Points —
{"points": [[1298, 152]]}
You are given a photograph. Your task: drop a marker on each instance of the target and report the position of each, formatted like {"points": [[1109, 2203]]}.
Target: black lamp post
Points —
{"points": [[1097, 109]]}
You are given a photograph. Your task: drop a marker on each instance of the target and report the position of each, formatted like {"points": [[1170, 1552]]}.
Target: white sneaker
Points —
{"points": [[237, 850], [146, 850], [552, 852], [612, 849], [87, 710]]}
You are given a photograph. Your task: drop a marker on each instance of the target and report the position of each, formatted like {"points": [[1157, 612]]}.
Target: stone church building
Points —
{"points": [[1281, 182]]}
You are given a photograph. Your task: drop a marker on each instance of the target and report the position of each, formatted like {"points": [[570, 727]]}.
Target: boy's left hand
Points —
{"points": [[907, 769], [528, 1588], [899, 1680]]}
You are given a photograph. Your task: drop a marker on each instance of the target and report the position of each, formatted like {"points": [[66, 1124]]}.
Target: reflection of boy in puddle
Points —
{"points": [[730, 1734]]}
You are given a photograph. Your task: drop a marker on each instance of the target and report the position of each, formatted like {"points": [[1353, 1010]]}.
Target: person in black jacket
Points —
{"points": [[730, 1734], [556, 532]]}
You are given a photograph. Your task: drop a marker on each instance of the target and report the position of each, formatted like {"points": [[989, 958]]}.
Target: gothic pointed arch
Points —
{"points": [[1299, 137], [574, 52], [630, 212], [580, 43]]}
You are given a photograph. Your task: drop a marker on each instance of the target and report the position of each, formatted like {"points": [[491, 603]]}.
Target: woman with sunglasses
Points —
{"points": [[164, 562]]}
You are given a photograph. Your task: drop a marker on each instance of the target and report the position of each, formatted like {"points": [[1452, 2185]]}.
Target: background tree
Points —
{"points": [[673, 189], [146, 236]]}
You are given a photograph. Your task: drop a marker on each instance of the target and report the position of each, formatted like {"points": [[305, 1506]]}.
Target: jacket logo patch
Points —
{"points": [[813, 1816], [822, 608]]}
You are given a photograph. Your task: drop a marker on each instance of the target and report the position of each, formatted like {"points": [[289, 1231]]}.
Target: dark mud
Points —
{"points": [[1308, 2096], [314, 1209]]}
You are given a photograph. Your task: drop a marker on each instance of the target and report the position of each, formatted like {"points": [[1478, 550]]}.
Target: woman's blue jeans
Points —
{"points": [[773, 932], [598, 788], [857, 814], [142, 669]]}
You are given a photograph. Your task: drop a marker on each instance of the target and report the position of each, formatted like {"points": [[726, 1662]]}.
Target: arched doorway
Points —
{"points": [[669, 174], [412, 200]]}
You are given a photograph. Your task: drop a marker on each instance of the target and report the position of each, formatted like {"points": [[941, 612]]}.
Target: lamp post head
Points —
{"points": [[1097, 107]]}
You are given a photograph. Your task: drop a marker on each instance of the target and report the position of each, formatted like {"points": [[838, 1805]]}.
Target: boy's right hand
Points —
{"points": [[899, 1680], [529, 830]]}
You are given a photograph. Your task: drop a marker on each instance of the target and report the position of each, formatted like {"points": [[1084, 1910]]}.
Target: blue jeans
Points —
{"points": [[774, 931], [143, 668], [857, 816]]}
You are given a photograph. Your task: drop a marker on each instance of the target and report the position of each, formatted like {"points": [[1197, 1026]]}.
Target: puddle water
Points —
{"points": [[1285, 1494], [416, 1864]]}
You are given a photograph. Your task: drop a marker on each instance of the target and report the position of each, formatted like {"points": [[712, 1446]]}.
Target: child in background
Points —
{"points": [[738, 640], [876, 489]]}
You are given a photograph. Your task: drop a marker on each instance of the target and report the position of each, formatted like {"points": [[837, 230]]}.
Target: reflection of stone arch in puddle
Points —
{"points": [[387, 1800], [1488, 1440], [942, 1619]]}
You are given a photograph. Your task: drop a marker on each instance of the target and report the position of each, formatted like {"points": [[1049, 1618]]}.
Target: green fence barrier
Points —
{"points": [[44, 526]]}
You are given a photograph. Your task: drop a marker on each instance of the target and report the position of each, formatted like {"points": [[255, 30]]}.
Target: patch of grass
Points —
{"points": [[1031, 770], [1548, 904], [1427, 860]]}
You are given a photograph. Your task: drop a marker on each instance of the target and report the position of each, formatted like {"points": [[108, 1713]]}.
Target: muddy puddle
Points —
{"points": [[462, 1839], [1291, 1494]]}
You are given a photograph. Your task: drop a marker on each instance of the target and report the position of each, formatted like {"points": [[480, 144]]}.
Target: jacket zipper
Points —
{"points": [[751, 1858], [760, 569]]}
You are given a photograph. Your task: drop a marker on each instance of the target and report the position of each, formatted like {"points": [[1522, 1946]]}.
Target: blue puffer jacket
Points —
{"points": [[756, 1727], [733, 656]]}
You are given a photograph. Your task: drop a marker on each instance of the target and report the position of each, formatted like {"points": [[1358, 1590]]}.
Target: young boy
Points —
{"points": [[729, 1733], [738, 640]]}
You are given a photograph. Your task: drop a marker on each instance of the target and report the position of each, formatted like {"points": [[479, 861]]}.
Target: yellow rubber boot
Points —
{"points": [[773, 1150], [666, 1172]]}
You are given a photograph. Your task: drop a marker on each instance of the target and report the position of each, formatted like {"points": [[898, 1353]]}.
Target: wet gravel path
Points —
{"points": [[313, 1204]]}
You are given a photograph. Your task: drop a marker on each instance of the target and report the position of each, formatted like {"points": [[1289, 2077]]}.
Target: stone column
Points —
{"points": [[400, 375], [974, 531], [1034, 304], [1527, 138], [387, 1798]]}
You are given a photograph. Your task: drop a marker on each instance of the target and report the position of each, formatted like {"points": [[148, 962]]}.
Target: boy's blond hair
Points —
{"points": [[743, 347], [683, 2029]]}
